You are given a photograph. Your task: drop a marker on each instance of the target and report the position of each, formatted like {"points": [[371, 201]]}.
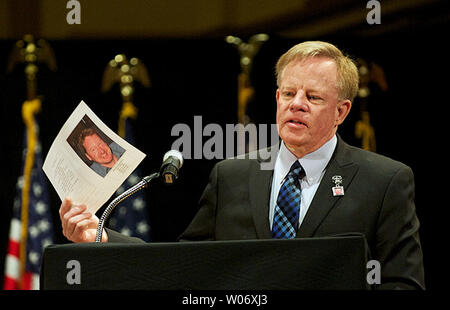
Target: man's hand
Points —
{"points": [[78, 225]]}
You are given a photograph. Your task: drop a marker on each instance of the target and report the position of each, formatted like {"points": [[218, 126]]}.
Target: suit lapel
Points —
{"points": [[260, 184], [324, 201]]}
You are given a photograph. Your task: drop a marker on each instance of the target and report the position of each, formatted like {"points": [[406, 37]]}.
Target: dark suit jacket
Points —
{"points": [[378, 202]]}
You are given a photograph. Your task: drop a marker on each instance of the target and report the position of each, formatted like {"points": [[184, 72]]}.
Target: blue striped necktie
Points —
{"points": [[287, 209]]}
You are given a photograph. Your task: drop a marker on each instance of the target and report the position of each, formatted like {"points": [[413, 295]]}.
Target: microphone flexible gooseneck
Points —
{"points": [[129, 192], [172, 162]]}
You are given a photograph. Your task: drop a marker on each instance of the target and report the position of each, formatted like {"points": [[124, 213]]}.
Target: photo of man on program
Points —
{"points": [[98, 151]]}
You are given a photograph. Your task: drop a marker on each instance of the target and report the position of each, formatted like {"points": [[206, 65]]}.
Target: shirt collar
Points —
{"points": [[314, 163]]}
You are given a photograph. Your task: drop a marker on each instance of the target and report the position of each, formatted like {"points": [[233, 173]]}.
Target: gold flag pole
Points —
{"points": [[125, 72], [120, 70], [247, 51], [29, 52], [363, 127]]}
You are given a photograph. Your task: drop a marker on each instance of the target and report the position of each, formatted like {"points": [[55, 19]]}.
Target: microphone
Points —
{"points": [[172, 162]]}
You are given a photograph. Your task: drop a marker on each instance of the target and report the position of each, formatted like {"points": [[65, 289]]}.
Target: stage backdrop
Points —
{"points": [[199, 78]]}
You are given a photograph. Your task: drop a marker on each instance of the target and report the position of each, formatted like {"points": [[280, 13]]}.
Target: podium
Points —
{"points": [[331, 263]]}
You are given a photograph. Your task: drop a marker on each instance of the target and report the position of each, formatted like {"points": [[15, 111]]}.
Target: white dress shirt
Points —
{"points": [[314, 165]]}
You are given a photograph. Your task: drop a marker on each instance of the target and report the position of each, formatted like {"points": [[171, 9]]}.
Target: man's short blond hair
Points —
{"points": [[347, 72]]}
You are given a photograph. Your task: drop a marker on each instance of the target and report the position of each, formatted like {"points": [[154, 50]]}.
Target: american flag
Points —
{"points": [[130, 217], [39, 230]]}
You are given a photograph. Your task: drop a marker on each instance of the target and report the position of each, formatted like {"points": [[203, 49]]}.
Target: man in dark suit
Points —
{"points": [[319, 186]]}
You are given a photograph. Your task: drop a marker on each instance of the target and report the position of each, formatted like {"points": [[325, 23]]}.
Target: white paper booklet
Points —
{"points": [[88, 161]]}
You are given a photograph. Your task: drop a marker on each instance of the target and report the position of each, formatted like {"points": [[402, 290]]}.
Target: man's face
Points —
{"points": [[97, 150], [308, 109]]}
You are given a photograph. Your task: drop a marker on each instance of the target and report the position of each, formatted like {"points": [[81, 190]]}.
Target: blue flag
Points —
{"points": [[130, 217]]}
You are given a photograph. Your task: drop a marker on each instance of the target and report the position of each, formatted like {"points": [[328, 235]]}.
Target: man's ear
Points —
{"points": [[88, 157], [343, 108]]}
